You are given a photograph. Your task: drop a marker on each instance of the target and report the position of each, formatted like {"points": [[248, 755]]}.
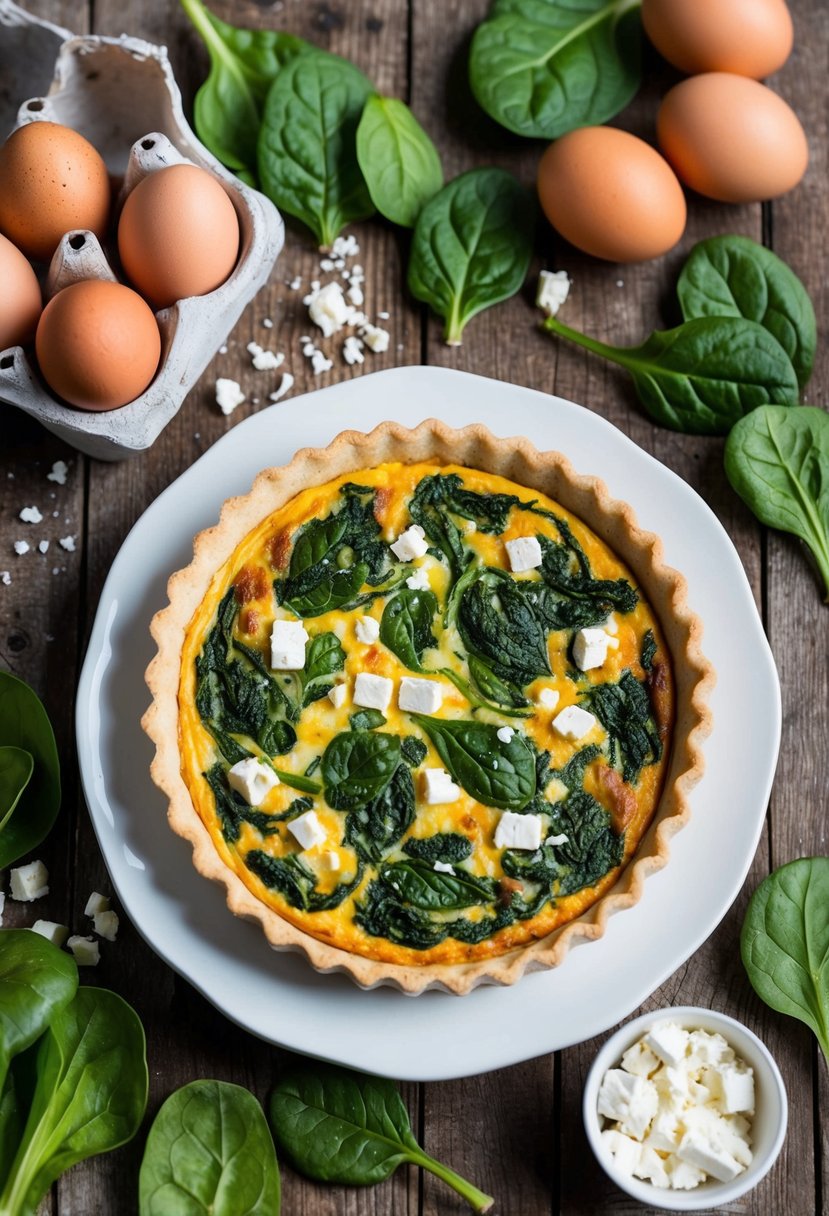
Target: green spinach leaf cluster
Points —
{"points": [[29, 771]]}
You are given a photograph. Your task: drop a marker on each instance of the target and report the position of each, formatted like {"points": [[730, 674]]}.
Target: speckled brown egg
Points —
{"points": [[98, 345], [51, 181], [178, 235], [20, 301]]}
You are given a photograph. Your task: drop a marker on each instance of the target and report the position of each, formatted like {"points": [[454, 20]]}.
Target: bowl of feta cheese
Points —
{"points": [[685, 1109]]}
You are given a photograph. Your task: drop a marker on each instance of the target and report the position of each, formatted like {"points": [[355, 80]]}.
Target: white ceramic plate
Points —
{"points": [[435, 1036]]}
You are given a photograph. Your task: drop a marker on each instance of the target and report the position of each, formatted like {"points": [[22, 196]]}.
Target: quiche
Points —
{"points": [[428, 704]]}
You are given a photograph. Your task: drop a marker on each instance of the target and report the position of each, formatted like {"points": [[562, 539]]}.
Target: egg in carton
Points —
{"points": [[113, 91]]}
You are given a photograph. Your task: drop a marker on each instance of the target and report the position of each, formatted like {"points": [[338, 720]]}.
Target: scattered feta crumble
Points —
{"points": [[307, 830], [410, 544], [373, 692], [353, 350], [548, 698], [524, 553], [43, 546], [52, 931], [553, 290], [267, 322], [439, 787], [375, 337], [87, 952], [367, 630], [30, 515], [58, 472], [5, 578], [67, 543], [337, 695], [228, 395], [106, 925], [29, 882], [285, 386], [443, 867], [264, 360], [419, 581], [96, 903], [574, 722], [505, 733]]}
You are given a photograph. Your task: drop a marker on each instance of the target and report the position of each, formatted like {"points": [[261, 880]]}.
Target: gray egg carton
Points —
{"points": [[121, 95]]}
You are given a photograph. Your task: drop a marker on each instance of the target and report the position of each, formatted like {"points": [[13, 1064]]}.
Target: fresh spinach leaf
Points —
{"points": [[513, 706], [11, 1124], [307, 152], [777, 459], [243, 63], [448, 847], [624, 710], [493, 772], [334, 1125], [399, 162], [209, 1153], [499, 626], [27, 811], [324, 657], [417, 883], [16, 769], [373, 830], [733, 276], [36, 981], [543, 67], [366, 719], [406, 626], [785, 943], [703, 376], [472, 246], [291, 877], [89, 1095], [357, 766]]}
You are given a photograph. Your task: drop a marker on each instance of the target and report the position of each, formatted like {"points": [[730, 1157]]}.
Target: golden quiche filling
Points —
{"points": [[425, 713]]}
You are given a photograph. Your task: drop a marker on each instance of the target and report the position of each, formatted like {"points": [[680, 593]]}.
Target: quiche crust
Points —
{"points": [[516, 459]]}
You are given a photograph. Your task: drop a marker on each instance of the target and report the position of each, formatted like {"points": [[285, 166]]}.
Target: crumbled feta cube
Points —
{"points": [[67, 543], [516, 831], [267, 322], [419, 581], [328, 309], [375, 338], [329, 861], [640, 1060], [652, 1168], [705, 1150], [505, 733], [684, 1176], [337, 695], [21, 547], [31, 515], [574, 722], [548, 698], [419, 696], [668, 1041], [367, 630], [264, 360], [59, 471], [319, 363], [87, 952], [439, 787], [285, 386], [626, 1152], [443, 867], [553, 290], [307, 829], [96, 903], [353, 346], [630, 1101], [664, 1134], [5, 578], [736, 1088], [410, 544], [43, 546], [561, 838], [590, 648], [373, 692], [524, 553], [252, 779], [228, 395], [29, 882], [345, 246], [288, 640], [709, 1048], [354, 295], [105, 925], [52, 931]]}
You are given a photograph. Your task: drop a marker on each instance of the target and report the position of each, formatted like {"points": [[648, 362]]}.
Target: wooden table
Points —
{"points": [[516, 1132]]}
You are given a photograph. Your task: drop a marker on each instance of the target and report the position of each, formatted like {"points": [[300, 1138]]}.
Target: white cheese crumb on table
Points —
{"points": [[264, 360], [52, 931], [67, 543], [43, 546], [106, 925], [228, 395], [30, 515], [96, 903], [285, 386], [87, 952], [29, 882], [353, 350], [58, 472], [553, 290]]}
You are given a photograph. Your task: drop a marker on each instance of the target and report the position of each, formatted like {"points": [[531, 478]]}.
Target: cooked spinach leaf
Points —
{"points": [[233, 811], [28, 808], [366, 719], [624, 710], [777, 459], [497, 692], [413, 751], [448, 847], [406, 626], [591, 850], [733, 276], [493, 772], [399, 162], [541, 68], [499, 626], [296, 881], [419, 885], [703, 376], [472, 246], [324, 657], [649, 649], [307, 154], [570, 597], [572, 773], [373, 830], [334, 1125], [209, 1153], [357, 766]]}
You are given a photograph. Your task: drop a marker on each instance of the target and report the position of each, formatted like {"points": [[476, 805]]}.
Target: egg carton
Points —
{"points": [[120, 93]]}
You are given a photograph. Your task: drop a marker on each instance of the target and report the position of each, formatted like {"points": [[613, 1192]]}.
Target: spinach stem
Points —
{"points": [[296, 782], [477, 1200], [614, 354]]}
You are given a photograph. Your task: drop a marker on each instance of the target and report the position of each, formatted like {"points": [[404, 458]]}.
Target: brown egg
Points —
{"points": [[20, 300], [611, 195], [178, 235], [731, 138], [747, 37], [98, 345], [51, 180]]}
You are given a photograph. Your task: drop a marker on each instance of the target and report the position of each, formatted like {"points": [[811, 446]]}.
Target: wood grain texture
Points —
{"points": [[517, 1132]]}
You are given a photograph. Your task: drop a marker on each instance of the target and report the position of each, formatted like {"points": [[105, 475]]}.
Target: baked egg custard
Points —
{"points": [[425, 713]]}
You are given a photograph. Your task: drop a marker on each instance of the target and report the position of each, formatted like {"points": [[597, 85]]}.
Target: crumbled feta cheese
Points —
{"points": [[96, 903], [87, 952], [355, 295], [419, 696], [704, 1150], [627, 1153], [439, 787], [574, 722], [319, 363], [553, 290], [59, 471], [518, 831], [327, 308], [288, 640], [29, 882], [736, 1089], [443, 867], [329, 861], [2, 905], [67, 543], [5, 578], [611, 625], [345, 246], [43, 546], [524, 553], [252, 779], [264, 360], [709, 1048], [367, 630], [590, 648], [373, 692], [307, 830], [638, 1059], [337, 695], [630, 1101], [505, 733], [21, 547], [267, 322], [295, 283], [548, 698], [228, 395], [375, 338], [52, 931], [651, 1167], [668, 1041], [353, 350], [285, 386], [106, 925], [561, 838], [410, 544], [419, 581], [31, 515]]}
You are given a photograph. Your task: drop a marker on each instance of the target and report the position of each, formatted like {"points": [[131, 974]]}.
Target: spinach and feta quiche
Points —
{"points": [[425, 715]]}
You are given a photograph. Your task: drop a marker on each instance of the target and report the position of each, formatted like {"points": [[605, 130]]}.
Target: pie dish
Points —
{"points": [[357, 859]]}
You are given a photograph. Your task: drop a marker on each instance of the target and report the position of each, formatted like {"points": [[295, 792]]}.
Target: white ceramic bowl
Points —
{"points": [[768, 1129]]}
